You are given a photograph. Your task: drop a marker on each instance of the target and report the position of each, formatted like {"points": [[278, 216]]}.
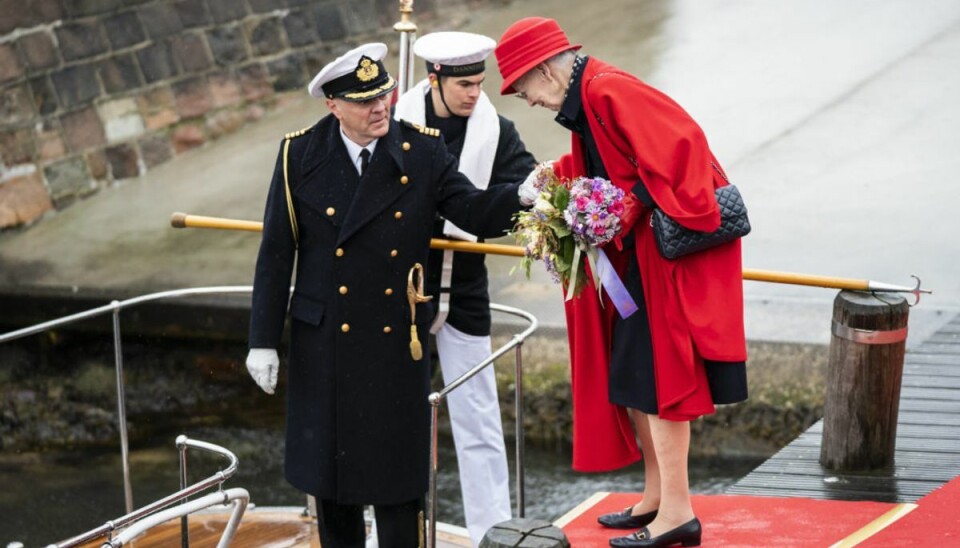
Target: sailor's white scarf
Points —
{"points": [[479, 146]]}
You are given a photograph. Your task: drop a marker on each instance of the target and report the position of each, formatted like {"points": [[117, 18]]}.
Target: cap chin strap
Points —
{"points": [[443, 100]]}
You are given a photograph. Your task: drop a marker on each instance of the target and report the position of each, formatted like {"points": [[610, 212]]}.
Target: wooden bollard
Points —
{"points": [[863, 381], [524, 533]]}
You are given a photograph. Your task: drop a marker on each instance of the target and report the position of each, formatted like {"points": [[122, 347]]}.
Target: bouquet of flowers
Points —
{"points": [[568, 222]]}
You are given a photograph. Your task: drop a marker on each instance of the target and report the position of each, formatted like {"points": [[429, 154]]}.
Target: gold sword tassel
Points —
{"points": [[415, 295]]}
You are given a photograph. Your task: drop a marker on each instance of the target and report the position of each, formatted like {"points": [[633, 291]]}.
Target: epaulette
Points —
{"points": [[429, 131], [298, 133]]}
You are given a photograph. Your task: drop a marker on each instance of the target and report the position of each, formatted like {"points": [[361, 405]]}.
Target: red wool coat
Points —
{"points": [[694, 303]]}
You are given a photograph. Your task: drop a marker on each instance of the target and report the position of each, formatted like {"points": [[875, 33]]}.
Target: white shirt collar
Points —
{"points": [[353, 149]]}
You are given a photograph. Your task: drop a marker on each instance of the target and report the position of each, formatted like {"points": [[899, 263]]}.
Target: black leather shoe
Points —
{"points": [[623, 519], [687, 534]]}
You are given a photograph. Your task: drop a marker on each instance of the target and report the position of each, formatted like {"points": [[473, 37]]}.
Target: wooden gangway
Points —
{"points": [[927, 446]]}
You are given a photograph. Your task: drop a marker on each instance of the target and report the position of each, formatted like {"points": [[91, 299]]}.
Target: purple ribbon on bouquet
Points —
{"points": [[611, 282]]}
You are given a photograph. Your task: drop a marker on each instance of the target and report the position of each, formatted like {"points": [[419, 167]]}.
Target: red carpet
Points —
{"points": [[745, 520], [935, 523]]}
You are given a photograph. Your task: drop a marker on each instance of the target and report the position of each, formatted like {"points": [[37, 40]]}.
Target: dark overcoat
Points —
{"points": [[357, 413]]}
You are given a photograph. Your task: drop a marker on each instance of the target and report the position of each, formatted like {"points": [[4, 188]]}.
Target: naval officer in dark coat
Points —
{"points": [[352, 203]]}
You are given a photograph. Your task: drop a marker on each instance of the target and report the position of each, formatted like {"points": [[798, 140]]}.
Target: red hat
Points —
{"points": [[526, 43]]}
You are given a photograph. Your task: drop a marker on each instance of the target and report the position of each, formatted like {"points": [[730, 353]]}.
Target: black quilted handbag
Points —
{"points": [[675, 241]]}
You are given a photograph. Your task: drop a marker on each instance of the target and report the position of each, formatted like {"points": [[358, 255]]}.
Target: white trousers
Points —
{"points": [[477, 431]]}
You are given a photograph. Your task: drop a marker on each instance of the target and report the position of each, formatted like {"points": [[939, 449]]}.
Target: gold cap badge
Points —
{"points": [[368, 70]]}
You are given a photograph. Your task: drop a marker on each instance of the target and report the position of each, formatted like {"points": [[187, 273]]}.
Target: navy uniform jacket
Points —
{"points": [[357, 413], [469, 291]]}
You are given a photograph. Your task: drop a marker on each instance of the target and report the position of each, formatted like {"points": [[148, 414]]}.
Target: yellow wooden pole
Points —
{"points": [[182, 220], [471, 247], [793, 278]]}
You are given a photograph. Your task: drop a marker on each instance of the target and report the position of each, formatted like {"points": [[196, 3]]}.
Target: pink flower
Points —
{"points": [[592, 215]]}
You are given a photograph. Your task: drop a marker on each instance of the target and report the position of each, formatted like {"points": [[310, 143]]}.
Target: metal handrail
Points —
{"points": [[238, 496], [184, 443], [120, 305], [114, 308], [216, 479], [437, 398]]}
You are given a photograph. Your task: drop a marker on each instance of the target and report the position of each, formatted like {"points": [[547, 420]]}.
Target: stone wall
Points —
{"points": [[97, 91]]}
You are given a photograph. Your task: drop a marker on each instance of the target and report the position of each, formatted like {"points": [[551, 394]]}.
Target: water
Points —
{"points": [[53, 495]]}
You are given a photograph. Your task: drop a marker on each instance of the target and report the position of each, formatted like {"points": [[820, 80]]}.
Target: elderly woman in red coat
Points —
{"points": [[684, 350]]}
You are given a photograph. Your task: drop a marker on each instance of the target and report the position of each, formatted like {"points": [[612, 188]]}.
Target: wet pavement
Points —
{"points": [[837, 121]]}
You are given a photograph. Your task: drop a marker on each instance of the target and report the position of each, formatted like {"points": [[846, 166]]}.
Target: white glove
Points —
{"points": [[263, 364], [527, 192]]}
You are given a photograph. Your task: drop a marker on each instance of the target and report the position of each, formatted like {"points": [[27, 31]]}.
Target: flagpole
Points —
{"points": [[408, 35]]}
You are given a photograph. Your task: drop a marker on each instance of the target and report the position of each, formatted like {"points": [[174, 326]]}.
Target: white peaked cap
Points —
{"points": [[449, 53], [357, 75]]}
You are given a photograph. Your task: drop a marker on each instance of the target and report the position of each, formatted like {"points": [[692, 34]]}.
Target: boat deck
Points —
{"points": [[927, 447], [260, 527]]}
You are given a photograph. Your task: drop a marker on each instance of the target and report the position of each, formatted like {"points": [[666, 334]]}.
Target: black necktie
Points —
{"points": [[364, 160]]}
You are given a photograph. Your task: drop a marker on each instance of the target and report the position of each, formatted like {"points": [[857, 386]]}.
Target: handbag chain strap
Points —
{"points": [[722, 174]]}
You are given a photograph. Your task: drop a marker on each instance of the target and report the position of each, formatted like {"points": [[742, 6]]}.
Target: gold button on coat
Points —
{"points": [[406, 146], [393, 252], [398, 215], [389, 291], [387, 329], [331, 211], [339, 252], [404, 180], [343, 290], [345, 327]]}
